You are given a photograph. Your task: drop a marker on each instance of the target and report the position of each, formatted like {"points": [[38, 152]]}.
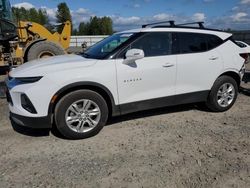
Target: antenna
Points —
{"points": [[171, 22]]}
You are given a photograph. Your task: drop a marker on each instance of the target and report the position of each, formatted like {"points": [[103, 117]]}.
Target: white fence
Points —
{"points": [[77, 41]]}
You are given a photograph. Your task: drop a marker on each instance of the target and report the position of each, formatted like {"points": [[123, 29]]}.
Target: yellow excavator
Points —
{"points": [[27, 41]]}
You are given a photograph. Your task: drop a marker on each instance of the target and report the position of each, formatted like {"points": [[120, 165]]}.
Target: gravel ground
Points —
{"points": [[181, 146]]}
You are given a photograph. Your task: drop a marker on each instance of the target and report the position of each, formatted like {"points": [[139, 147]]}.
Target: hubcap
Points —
{"points": [[83, 116], [225, 95], [45, 54]]}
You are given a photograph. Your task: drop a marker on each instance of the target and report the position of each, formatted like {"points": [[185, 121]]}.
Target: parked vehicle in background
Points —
{"points": [[28, 40], [151, 67], [244, 46]]}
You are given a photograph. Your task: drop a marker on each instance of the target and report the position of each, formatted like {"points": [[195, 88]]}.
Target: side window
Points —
{"points": [[192, 42], [154, 44], [213, 41]]}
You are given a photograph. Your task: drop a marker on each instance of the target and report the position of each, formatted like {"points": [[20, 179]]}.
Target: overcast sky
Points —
{"points": [[220, 14]]}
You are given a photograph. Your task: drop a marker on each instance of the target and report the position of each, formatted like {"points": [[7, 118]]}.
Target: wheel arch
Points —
{"points": [[100, 89], [234, 75]]}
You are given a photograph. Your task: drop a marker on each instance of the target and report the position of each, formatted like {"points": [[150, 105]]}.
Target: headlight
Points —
{"points": [[12, 82]]}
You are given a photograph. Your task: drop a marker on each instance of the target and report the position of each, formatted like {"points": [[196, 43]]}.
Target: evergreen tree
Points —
{"points": [[94, 26], [83, 28], [33, 15], [75, 32], [43, 17], [19, 14], [39, 16], [106, 26], [63, 14]]}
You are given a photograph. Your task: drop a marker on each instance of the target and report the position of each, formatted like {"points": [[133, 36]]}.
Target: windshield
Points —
{"points": [[107, 45], [5, 10]]}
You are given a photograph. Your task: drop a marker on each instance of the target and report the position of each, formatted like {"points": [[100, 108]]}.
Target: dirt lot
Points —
{"points": [[180, 146]]}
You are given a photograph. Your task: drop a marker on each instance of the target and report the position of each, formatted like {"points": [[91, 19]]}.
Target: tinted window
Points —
{"points": [[191, 42], [154, 44], [213, 41]]}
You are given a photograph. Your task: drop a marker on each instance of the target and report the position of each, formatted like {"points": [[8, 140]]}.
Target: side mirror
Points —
{"points": [[133, 55]]}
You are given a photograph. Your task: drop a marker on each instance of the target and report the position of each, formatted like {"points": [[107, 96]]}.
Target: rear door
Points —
{"points": [[198, 61]]}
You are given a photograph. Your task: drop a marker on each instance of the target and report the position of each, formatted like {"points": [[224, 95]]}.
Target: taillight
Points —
{"points": [[245, 56]]}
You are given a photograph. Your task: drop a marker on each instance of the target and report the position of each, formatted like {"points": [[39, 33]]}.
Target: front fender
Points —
{"points": [[99, 88]]}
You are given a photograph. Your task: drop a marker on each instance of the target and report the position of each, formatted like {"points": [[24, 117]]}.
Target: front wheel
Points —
{"points": [[81, 114], [223, 94]]}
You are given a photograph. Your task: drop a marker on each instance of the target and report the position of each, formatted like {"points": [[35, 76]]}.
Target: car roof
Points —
{"points": [[221, 34]]}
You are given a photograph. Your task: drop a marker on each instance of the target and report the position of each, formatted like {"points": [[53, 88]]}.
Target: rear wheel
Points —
{"points": [[44, 49], [223, 94], [81, 114]]}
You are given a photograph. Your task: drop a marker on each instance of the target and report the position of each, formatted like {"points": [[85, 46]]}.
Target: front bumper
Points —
{"points": [[32, 122], [39, 95]]}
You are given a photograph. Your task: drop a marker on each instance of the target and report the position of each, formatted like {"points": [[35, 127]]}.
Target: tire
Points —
{"points": [[223, 94], [44, 49], [83, 122]]}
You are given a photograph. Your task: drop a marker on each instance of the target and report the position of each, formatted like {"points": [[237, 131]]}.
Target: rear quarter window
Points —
{"points": [[194, 42], [191, 42], [213, 41]]}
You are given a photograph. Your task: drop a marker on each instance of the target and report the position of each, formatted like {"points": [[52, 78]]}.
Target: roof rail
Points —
{"points": [[171, 22], [184, 25], [192, 23]]}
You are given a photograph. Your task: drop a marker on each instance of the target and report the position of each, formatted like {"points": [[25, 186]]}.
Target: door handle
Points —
{"points": [[166, 65], [213, 58]]}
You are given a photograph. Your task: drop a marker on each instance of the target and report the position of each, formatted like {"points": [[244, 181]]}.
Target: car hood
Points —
{"points": [[45, 66]]}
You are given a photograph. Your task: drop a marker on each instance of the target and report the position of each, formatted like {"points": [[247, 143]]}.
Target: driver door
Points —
{"points": [[147, 82]]}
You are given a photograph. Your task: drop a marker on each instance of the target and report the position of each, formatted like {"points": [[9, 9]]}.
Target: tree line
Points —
{"points": [[95, 25], [33, 15]]}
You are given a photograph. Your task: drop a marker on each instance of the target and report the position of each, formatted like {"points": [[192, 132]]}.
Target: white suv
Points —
{"points": [[130, 71]]}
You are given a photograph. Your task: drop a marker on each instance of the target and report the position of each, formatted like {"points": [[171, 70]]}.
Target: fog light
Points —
{"points": [[27, 105]]}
